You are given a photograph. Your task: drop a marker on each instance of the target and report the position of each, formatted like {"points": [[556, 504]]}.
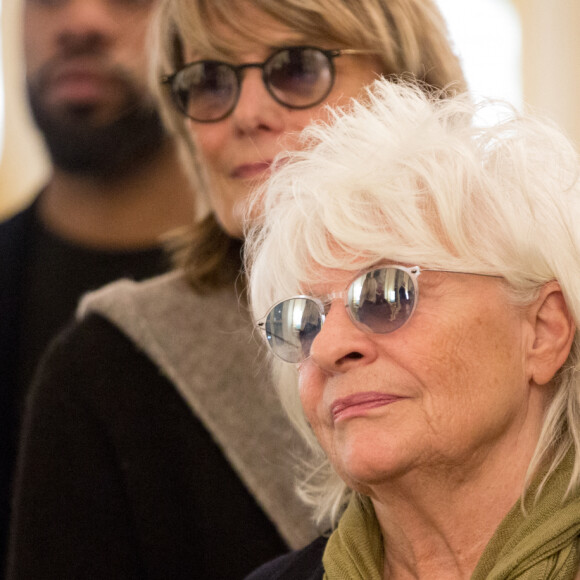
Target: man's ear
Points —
{"points": [[553, 333]]}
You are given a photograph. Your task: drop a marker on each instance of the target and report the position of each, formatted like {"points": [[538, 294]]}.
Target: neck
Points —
{"points": [[132, 211], [442, 529]]}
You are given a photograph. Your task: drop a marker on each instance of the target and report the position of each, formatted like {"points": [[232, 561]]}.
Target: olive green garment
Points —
{"points": [[542, 545], [355, 549]]}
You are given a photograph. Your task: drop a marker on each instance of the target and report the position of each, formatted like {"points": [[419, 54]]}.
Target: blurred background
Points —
{"points": [[525, 51]]}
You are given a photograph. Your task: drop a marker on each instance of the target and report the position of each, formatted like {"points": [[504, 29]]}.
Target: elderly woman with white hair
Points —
{"points": [[446, 407]]}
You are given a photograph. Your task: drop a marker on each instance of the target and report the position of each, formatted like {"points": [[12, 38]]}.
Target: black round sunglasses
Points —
{"points": [[297, 77]]}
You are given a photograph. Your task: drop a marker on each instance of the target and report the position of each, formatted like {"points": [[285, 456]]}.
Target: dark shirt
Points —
{"points": [[118, 478], [304, 564], [41, 280], [57, 273]]}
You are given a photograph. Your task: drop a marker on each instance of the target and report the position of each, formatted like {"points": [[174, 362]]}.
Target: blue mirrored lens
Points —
{"points": [[291, 327]]}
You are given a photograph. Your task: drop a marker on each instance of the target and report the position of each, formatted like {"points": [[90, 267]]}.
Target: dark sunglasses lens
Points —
{"points": [[206, 91], [299, 77], [383, 300], [291, 327]]}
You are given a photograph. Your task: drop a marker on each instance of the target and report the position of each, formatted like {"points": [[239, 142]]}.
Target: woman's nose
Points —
{"points": [[256, 110], [340, 345]]}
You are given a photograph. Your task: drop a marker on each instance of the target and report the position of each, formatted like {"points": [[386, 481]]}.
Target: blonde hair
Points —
{"points": [[408, 177], [409, 37]]}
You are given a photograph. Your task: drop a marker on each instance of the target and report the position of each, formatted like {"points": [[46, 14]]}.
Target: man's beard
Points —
{"points": [[78, 145]]}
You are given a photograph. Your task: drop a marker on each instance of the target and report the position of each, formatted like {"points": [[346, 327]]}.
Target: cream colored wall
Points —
{"points": [[23, 165], [551, 59], [551, 65]]}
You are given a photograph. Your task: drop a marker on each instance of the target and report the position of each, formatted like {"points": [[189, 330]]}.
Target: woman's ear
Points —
{"points": [[553, 333]]}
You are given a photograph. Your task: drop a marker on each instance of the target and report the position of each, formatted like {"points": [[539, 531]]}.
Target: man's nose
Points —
{"points": [[87, 24]]}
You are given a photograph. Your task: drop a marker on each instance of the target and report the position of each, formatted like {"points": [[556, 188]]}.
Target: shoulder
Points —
{"points": [[17, 222], [95, 382], [89, 363], [161, 296], [304, 564], [176, 327], [159, 304], [89, 341], [14, 236]]}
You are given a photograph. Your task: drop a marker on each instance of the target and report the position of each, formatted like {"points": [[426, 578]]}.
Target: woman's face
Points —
{"points": [[449, 392], [238, 151]]}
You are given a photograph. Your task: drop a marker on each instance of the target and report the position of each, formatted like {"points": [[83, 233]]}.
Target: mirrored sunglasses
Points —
{"points": [[379, 301]]}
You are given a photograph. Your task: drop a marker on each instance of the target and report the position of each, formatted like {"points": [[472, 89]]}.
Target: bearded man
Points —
{"points": [[116, 186]]}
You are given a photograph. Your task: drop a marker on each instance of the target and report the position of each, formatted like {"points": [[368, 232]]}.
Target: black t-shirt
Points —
{"points": [[119, 480], [56, 274], [304, 564], [49, 275]]}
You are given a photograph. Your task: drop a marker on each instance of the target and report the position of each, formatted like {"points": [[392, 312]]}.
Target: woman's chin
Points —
{"points": [[363, 471]]}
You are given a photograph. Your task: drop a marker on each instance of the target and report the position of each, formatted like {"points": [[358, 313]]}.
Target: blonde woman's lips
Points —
{"points": [[359, 404], [251, 170]]}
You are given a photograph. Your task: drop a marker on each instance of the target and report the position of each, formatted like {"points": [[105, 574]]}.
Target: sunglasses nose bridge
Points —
{"points": [[333, 296], [240, 75], [330, 300], [242, 68]]}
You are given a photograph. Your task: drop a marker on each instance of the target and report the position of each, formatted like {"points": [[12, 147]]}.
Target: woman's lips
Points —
{"points": [[250, 170], [358, 404]]}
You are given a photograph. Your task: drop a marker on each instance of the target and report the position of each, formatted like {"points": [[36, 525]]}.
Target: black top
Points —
{"points": [[41, 280], [56, 274], [304, 564], [109, 487]]}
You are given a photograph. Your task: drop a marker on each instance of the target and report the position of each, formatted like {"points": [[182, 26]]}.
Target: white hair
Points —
{"points": [[407, 176]]}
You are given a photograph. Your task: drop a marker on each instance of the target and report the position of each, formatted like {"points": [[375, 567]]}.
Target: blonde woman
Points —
{"points": [[154, 445]]}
